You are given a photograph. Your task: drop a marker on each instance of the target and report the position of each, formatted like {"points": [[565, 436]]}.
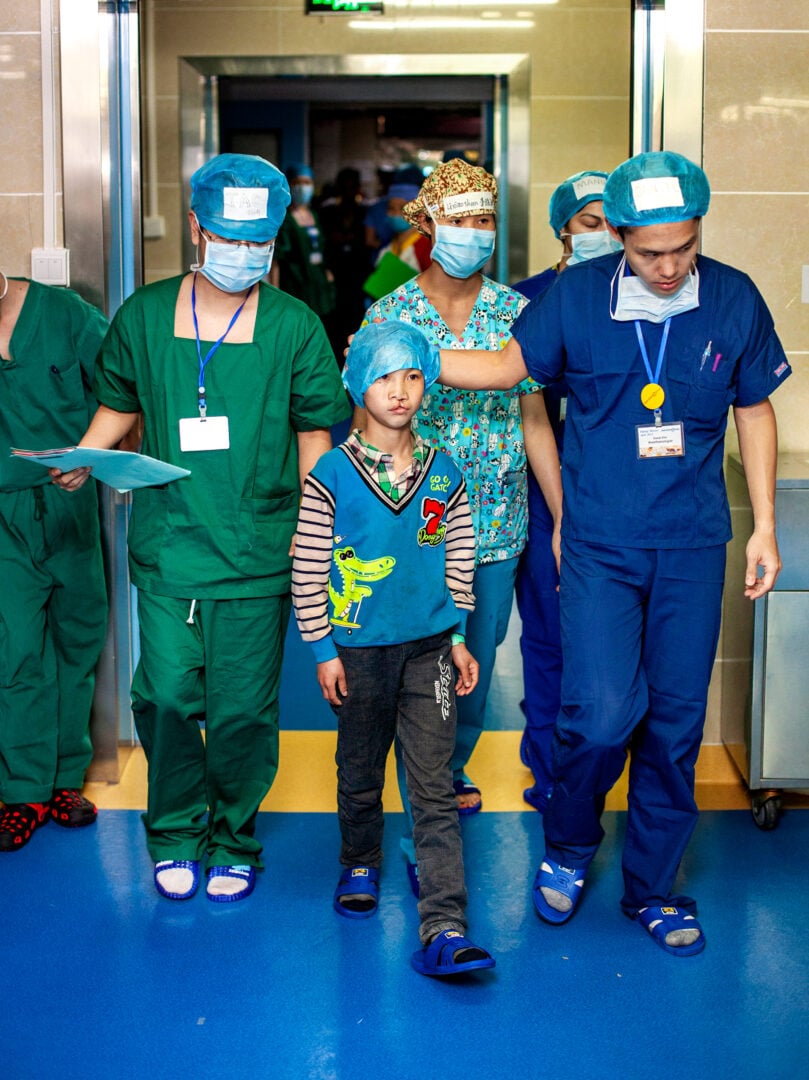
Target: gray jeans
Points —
{"points": [[405, 690]]}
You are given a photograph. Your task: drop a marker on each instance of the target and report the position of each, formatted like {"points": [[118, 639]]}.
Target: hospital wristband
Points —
{"points": [[457, 639]]}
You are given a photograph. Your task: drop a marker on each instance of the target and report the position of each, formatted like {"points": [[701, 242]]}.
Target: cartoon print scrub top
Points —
{"points": [[480, 429]]}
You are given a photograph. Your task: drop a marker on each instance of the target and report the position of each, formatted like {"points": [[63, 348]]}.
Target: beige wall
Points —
{"points": [[756, 133], [21, 135], [579, 54], [755, 153]]}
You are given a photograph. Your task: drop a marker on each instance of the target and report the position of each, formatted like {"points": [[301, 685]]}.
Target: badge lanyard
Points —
{"points": [[203, 363], [652, 395]]}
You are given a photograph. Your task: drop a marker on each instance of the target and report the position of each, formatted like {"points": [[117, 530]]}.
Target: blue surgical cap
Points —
{"points": [[408, 174], [572, 195], [408, 192], [292, 172], [380, 348], [656, 188], [240, 197]]}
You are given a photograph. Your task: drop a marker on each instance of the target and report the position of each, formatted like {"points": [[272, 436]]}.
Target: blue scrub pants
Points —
{"points": [[540, 645], [639, 635], [486, 628]]}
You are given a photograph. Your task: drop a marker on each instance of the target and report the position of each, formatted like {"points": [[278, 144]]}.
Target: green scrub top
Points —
{"points": [[224, 531], [45, 399], [302, 272]]}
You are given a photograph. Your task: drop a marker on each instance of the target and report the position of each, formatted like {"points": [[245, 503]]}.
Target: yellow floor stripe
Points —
{"points": [[306, 778]]}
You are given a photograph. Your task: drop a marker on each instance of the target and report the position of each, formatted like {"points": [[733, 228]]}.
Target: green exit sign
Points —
{"points": [[344, 7]]}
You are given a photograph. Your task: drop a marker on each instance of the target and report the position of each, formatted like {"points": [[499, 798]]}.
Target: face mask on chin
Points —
{"points": [[233, 268], [635, 300], [590, 245], [462, 252]]}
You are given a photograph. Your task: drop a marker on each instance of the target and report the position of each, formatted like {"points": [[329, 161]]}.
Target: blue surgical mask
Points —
{"points": [[590, 245], [462, 252], [398, 223], [635, 300], [302, 194], [235, 267]]}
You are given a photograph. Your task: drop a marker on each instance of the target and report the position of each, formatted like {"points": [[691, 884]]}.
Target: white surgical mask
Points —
{"points": [[235, 267], [590, 245], [635, 300], [462, 252]]}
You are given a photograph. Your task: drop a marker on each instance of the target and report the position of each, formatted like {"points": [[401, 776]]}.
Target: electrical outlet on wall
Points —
{"points": [[50, 266], [154, 228]]}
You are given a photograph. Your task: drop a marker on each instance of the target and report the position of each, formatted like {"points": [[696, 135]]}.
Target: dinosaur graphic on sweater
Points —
{"points": [[354, 571]]}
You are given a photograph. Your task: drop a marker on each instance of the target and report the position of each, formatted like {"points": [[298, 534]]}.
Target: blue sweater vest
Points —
{"points": [[387, 582]]}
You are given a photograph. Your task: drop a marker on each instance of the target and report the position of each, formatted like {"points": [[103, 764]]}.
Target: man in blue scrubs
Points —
{"points": [[656, 344]]}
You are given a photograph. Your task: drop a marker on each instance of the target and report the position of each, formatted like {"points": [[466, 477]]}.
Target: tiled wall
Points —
{"points": [[21, 136], [755, 154]]}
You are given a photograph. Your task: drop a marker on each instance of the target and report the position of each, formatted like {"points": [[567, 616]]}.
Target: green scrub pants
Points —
{"points": [[221, 666], [53, 618]]}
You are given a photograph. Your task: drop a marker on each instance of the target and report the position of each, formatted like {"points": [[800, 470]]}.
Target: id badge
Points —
{"points": [[209, 434], [661, 440], [315, 258]]}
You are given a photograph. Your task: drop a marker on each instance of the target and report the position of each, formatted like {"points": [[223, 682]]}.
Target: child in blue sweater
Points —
{"points": [[381, 583]]}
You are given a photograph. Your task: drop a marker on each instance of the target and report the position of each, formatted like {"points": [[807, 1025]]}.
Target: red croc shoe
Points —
{"points": [[69, 808], [18, 822]]}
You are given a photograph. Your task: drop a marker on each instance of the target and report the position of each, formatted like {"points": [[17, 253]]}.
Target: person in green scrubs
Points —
{"points": [[298, 267], [53, 603], [236, 382]]}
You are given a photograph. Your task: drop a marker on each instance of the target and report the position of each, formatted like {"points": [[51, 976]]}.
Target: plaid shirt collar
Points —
{"points": [[380, 464]]}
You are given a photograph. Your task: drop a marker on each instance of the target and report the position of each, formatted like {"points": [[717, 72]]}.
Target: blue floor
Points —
{"points": [[105, 980]]}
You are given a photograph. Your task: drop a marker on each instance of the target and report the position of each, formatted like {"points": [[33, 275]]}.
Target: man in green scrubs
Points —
{"points": [[236, 382], [53, 600]]}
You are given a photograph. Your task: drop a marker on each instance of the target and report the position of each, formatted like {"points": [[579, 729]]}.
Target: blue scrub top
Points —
{"points": [[554, 393], [611, 496]]}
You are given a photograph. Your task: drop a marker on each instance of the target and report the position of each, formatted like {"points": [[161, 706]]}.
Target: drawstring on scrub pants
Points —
{"points": [[40, 515], [190, 619]]}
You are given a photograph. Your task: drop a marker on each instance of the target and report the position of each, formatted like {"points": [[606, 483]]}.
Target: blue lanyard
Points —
{"points": [[661, 352], [203, 363]]}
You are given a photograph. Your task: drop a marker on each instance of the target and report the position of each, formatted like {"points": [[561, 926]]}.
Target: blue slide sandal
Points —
{"points": [[177, 864], [357, 892], [466, 787], [660, 921], [244, 874], [450, 953], [567, 880]]}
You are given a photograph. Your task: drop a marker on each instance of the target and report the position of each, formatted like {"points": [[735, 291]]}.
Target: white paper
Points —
{"points": [[245, 204], [212, 433], [469, 202], [588, 185], [657, 193]]}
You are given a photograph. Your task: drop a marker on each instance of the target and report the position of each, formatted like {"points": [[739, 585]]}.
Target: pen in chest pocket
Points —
{"points": [[706, 353]]}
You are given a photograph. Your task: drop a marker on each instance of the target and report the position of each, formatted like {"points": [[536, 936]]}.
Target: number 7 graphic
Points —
{"points": [[432, 511]]}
